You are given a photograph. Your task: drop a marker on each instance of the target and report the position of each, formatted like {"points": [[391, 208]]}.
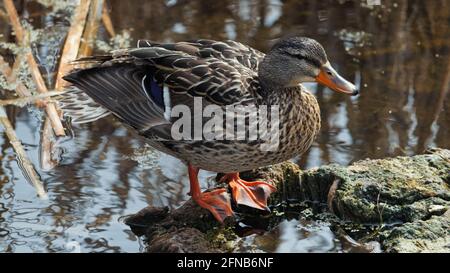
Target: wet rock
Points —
{"points": [[407, 197], [432, 235], [186, 229], [140, 222], [181, 240], [402, 203], [384, 191]]}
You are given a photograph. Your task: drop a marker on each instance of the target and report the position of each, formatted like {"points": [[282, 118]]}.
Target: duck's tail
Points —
{"points": [[77, 105]]}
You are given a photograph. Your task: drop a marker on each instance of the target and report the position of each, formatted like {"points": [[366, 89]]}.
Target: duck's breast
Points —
{"points": [[299, 124]]}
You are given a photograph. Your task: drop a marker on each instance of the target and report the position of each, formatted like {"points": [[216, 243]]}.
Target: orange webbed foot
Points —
{"points": [[217, 202], [252, 194]]}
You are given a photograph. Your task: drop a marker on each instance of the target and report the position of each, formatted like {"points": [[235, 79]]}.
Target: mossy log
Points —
{"points": [[407, 198]]}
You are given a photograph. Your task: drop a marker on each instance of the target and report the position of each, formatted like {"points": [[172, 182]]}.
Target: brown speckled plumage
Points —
{"points": [[299, 125], [223, 73]]}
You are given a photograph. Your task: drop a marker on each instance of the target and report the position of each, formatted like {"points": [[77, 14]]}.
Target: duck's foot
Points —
{"points": [[252, 194], [217, 202]]}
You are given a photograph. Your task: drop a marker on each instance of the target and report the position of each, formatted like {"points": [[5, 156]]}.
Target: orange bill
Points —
{"points": [[330, 78]]}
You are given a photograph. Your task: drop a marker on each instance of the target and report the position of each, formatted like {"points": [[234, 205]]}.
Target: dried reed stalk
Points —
{"points": [[50, 108], [69, 53], [24, 162], [91, 30], [107, 22], [21, 89], [46, 147], [72, 44], [29, 99]]}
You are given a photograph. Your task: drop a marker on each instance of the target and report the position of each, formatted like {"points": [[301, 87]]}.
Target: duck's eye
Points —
{"points": [[329, 73]]}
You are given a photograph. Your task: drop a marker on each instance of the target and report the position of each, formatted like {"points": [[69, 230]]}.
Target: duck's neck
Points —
{"points": [[299, 119], [296, 104], [275, 95]]}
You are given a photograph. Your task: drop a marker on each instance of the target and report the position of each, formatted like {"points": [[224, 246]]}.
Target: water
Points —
{"points": [[397, 54]]}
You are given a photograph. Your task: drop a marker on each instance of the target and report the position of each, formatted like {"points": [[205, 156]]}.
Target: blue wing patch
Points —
{"points": [[153, 90]]}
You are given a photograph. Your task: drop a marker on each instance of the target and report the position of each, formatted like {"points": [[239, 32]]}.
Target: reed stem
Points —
{"points": [[24, 162], [50, 109]]}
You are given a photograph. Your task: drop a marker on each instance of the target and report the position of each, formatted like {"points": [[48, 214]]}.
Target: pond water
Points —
{"points": [[398, 54]]}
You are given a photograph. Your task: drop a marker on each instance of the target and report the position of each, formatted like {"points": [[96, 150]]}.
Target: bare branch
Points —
{"points": [[50, 109], [24, 162], [73, 41]]}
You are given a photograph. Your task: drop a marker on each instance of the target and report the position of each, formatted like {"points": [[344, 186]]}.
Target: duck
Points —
{"points": [[143, 86]]}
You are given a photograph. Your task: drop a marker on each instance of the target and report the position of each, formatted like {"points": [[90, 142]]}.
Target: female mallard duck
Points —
{"points": [[141, 86]]}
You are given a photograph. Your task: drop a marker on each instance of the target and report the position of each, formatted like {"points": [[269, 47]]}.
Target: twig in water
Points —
{"points": [[107, 22], [30, 99], [21, 89], [24, 162], [11, 77], [51, 109], [46, 147], [69, 53], [90, 32], [72, 44]]}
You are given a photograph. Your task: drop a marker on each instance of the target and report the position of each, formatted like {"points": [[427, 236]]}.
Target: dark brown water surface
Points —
{"points": [[398, 54]]}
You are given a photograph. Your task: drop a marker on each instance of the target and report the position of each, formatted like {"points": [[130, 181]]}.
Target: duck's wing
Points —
{"points": [[141, 85], [228, 51], [219, 82], [117, 88]]}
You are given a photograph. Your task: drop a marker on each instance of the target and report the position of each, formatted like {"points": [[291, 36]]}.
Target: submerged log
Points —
{"points": [[406, 198]]}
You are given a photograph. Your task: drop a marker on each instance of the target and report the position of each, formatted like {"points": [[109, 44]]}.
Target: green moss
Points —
{"points": [[222, 238]]}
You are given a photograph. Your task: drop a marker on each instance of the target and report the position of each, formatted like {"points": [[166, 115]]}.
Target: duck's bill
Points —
{"points": [[330, 78]]}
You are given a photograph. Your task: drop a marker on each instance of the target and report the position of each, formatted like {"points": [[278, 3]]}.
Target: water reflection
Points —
{"points": [[294, 237], [398, 54]]}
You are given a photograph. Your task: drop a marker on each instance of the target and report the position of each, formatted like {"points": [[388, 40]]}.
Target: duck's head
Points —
{"points": [[295, 60]]}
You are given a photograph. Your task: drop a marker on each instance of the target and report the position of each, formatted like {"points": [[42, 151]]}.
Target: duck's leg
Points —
{"points": [[252, 194], [216, 201]]}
